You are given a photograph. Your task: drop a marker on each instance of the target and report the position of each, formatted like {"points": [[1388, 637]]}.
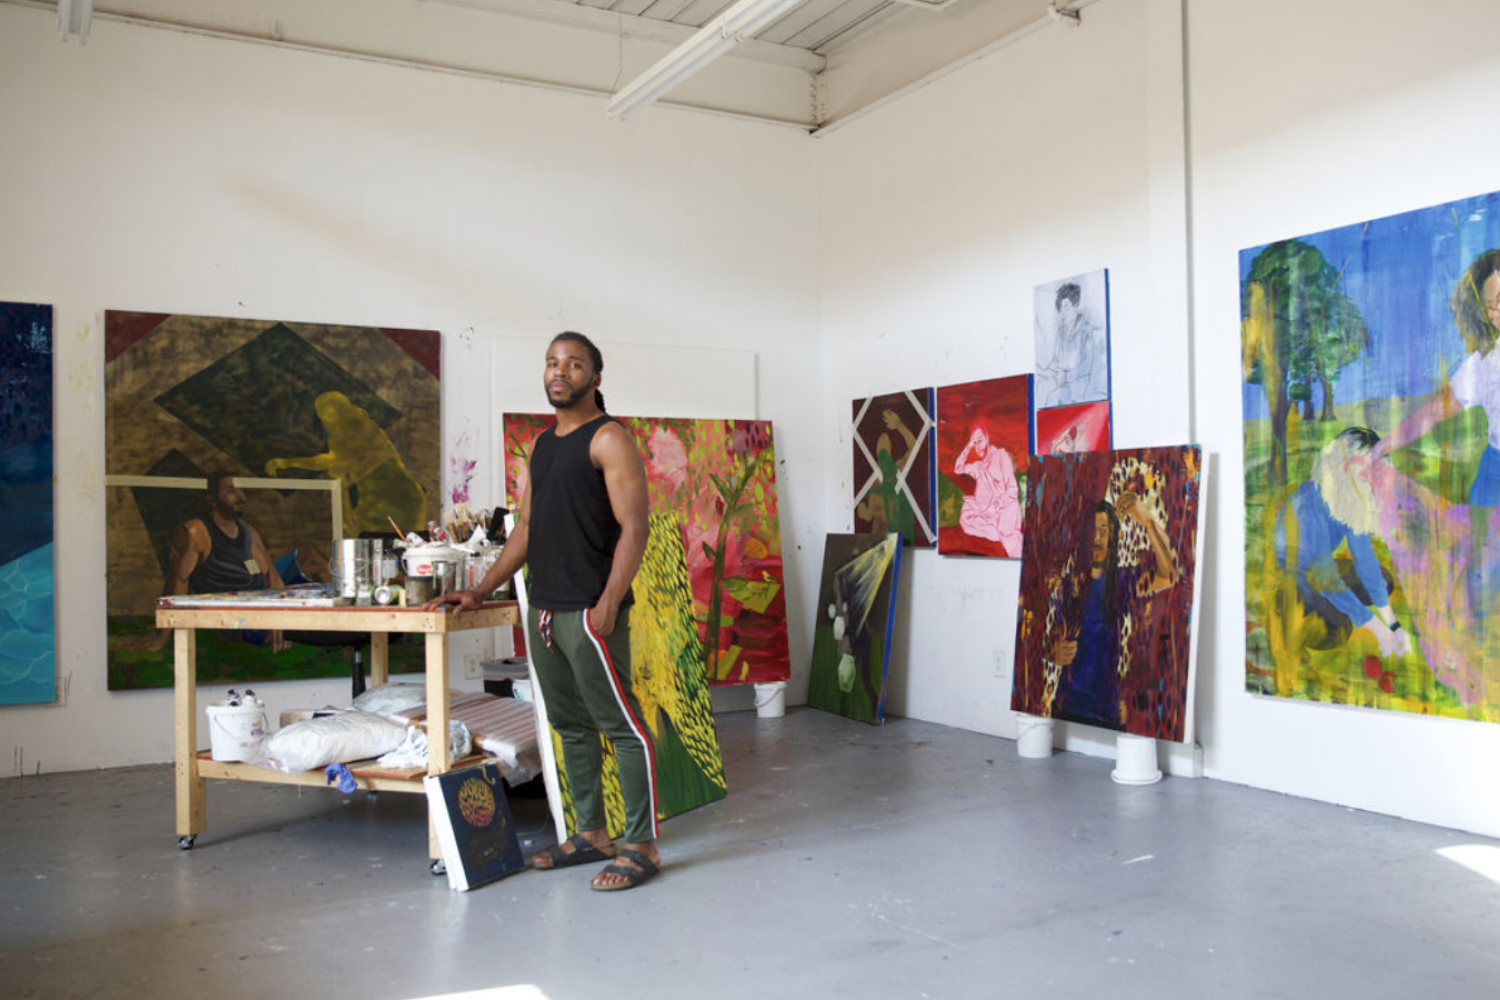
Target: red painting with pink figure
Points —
{"points": [[984, 440], [1068, 430], [719, 476]]}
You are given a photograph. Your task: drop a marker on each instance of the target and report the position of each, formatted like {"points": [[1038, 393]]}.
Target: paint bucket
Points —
{"points": [[235, 731], [770, 700], [1135, 760], [1033, 736], [436, 562]]}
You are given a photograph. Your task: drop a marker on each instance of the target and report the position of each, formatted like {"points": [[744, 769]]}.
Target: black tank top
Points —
{"points": [[225, 568], [573, 531]]}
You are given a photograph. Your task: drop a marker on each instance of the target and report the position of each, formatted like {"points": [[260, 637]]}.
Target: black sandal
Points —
{"points": [[583, 853], [632, 876]]}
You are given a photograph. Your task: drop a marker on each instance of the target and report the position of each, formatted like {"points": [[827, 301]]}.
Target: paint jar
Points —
{"points": [[420, 589]]}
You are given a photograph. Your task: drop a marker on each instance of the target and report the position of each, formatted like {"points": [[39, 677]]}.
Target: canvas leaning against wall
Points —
{"points": [[855, 614], [666, 667], [895, 467], [329, 432], [719, 476], [1372, 462], [28, 661], [1108, 588], [1071, 318], [984, 440]]}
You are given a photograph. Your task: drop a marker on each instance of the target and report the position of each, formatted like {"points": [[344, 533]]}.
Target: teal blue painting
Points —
{"points": [[28, 673]]}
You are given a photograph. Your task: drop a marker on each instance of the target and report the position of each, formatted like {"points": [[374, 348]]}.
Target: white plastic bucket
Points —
{"points": [[1135, 760], [235, 731], [1033, 736], [770, 700]]}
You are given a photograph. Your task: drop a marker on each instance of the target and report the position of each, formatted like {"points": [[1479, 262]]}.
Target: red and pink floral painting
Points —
{"points": [[984, 438], [719, 476]]}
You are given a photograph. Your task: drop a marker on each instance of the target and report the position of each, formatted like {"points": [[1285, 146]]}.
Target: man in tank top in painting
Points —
{"points": [[582, 530], [217, 551]]}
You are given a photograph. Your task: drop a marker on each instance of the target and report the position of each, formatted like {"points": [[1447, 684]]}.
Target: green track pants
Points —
{"points": [[586, 685]]}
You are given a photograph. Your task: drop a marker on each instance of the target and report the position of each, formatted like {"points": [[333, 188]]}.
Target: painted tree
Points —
{"points": [[1298, 329]]}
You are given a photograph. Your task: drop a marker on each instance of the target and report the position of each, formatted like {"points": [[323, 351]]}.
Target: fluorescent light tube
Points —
{"points": [[739, 22]]}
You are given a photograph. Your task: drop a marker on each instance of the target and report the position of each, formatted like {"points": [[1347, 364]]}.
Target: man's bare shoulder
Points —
{"points": [[612, 442], [192, 533]]}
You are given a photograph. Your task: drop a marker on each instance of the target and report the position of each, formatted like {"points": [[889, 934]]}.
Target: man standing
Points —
{"points": [[582, 528]]}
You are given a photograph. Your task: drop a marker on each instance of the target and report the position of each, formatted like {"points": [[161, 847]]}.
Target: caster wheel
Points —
{"points": [[186, 843], [438, 867]]}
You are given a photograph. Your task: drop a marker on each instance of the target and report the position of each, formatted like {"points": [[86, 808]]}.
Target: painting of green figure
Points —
{"points": [[855, 615], [666, 667]]}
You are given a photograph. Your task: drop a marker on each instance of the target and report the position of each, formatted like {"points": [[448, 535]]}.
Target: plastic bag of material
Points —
{"points": [[413, 749], [389, 698], [316, 743]]}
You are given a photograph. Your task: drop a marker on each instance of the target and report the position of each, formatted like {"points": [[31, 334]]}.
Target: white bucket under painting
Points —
{"points": [[235, 731], [1135, 760], [1033, 736], [770, 700]]}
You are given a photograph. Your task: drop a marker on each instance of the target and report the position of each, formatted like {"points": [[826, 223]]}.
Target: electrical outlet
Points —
{"points": [[1002, 662], [473, 666]]}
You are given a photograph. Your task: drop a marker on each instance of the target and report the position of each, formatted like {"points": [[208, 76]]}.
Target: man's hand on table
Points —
{"points": [[463, 600]]}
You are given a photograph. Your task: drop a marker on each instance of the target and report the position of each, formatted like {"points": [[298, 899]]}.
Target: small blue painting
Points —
{"points": [[28, 672]]}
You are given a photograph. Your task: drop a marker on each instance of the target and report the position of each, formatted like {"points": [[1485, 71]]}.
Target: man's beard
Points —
{"points": [[572, 398]]}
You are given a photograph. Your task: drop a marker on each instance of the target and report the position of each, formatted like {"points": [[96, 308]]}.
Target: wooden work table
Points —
{"points": [[192, 768]]}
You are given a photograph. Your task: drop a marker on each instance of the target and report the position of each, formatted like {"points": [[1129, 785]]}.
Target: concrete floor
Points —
{"points": [[910, 861]]}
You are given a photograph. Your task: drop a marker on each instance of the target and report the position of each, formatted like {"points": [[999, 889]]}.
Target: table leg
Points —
{"points": [[380, 659], [438, 759], [190, 807]]}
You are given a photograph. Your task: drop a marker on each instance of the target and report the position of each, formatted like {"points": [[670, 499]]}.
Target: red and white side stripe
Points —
{"points": [[636, 726]]}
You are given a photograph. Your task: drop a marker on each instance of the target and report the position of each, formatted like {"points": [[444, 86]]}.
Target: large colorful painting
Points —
{"points": [[720, 477], [1104, 634], [28, 671], [1072, 340], [895, 468], [856, 611], [308, 433], [1372, 462], [666, 666], [984, 440], [1064, 430]]}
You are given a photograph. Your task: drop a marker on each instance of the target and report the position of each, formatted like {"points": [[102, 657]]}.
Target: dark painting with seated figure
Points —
{"points": [[238, 451]]}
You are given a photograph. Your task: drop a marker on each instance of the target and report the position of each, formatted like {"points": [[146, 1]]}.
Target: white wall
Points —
{"points": [[1066, 152], [1305, 117], [160, 171], [940, 215]]}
